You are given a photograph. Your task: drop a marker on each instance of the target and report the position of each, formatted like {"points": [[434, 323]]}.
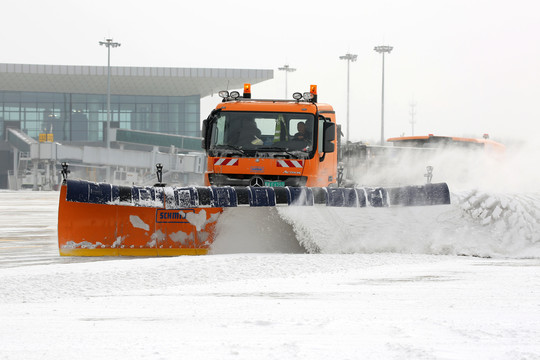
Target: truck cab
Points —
{"points": [[259, 142]]}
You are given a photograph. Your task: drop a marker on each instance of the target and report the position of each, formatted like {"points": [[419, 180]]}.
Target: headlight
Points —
{"points": [[308, 96], [297, 96]]}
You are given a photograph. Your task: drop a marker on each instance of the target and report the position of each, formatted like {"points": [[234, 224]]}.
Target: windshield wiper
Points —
{"points": [[276, 149], [229, 147]]}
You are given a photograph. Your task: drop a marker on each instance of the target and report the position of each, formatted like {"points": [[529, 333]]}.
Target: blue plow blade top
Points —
{"points": [[226, 196]]}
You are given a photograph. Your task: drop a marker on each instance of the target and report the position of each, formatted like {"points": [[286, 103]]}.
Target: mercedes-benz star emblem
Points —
{"points": [[256, 181]]}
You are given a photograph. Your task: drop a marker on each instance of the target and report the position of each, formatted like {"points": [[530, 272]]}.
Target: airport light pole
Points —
{"points": [[413, 113], [109, 43], [287, 70], [349, 58], [382, 50]]}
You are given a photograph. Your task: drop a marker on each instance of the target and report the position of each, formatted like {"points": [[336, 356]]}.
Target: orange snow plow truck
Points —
{"points": [[261, 153]]}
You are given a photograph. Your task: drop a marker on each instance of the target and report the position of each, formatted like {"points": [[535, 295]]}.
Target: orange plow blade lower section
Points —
{"points": [[128, 229]]}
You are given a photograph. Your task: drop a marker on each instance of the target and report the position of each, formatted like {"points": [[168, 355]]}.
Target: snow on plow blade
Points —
{"points": [[98, 219]]}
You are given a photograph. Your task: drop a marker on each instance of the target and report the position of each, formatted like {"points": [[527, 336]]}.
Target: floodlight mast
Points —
{"points": [[382, 50], [413, 113], [109, 43], [349, 58], [287, 70]]}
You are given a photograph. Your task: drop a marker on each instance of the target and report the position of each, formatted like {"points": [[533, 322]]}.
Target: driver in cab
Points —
{"points": [[249, 133], [302, 133]]}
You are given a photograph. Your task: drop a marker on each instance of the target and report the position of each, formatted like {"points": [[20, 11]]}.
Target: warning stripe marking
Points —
{"points": [[290, 163], [226, 162]]}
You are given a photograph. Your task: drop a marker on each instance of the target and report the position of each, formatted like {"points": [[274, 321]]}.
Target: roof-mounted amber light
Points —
{"points": [[247, 91], [313, 91]]}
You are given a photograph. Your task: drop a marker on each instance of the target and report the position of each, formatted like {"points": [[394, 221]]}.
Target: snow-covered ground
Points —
{"points": [[384, 284]]}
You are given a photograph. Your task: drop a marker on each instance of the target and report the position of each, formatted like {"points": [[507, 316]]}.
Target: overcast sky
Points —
{"points": [[471, 66]]}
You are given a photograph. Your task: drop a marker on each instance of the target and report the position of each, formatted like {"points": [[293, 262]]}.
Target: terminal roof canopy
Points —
{"points": [[154, 81]]}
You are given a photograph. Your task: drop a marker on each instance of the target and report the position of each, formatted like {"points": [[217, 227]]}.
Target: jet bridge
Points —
{"points": [[37, 164]]}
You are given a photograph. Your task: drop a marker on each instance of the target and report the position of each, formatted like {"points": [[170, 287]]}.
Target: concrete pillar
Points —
{"points": [[35, 174], [48, 175], [16, 168]]}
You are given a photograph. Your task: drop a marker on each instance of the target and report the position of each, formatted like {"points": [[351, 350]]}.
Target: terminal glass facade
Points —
{"points": [[83, 117]]}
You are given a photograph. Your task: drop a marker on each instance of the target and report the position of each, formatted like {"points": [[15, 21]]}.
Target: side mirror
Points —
{"points": [[329, 135]]}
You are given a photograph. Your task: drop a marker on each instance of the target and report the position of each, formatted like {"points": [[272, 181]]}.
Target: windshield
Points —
{"points": [[276, 132]]}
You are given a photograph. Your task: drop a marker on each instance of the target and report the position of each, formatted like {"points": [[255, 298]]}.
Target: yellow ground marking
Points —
{"points": [[131, 252]]}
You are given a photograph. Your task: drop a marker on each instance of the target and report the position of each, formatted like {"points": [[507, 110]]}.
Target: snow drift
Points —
{"points": [[497, 217]]}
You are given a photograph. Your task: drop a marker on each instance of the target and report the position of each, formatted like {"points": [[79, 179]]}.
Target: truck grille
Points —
{"points": [[244, 179]]}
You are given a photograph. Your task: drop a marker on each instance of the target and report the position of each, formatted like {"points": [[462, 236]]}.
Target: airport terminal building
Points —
{"points": [[45, 108]]}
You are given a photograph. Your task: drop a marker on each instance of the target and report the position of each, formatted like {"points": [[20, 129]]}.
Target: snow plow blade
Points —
{"points": [[98, 219]]}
